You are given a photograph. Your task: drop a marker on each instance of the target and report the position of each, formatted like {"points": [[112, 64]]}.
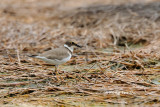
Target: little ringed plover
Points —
{"points": [[58, 56]]}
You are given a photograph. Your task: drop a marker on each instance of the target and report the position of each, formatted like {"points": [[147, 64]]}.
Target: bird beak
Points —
{"points": [[78, 45]]}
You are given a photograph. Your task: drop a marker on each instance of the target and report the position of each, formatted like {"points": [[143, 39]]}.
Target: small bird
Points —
{"points": [[58, 56]]}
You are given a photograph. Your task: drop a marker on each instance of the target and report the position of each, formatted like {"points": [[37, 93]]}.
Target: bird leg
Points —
{"points": [[56, 67], [57, 73]]}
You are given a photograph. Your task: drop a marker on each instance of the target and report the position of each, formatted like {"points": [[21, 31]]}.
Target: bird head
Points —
{"points": [[71, 44]]}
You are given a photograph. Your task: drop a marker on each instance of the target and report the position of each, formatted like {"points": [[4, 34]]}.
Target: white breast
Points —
{"points": [[67, 58]]}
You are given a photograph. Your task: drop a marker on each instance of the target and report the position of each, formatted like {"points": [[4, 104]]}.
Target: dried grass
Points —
{"points": [[115, 76]]}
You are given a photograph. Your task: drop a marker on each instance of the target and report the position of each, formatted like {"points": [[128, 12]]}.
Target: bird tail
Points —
{"points": [[33, 56]]}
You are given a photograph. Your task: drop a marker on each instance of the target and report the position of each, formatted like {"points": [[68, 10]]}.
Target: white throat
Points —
{"points": [[70, 48]]}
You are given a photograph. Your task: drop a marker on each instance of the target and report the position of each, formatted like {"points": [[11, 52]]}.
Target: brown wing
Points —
{"points": [[58, 53]]}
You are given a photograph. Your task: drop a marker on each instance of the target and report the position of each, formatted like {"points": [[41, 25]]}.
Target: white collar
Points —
{"points": [[70, 48]]}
